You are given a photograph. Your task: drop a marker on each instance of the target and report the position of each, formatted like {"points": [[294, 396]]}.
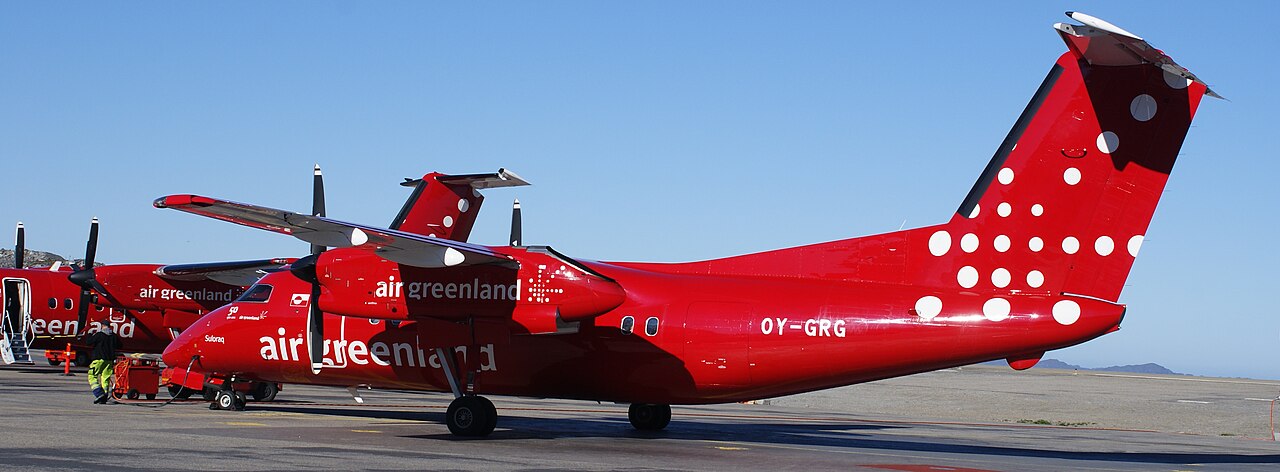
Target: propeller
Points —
{"points": [[515, 224], [20, 247], [305, 269], [85, 277]]}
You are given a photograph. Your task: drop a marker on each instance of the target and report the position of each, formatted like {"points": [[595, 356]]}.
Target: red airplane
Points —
{"points": [[1033, 260], [148, 304]]}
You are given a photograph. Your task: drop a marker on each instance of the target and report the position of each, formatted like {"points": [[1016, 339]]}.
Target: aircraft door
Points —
{"points": [[17, 306], [716, 344]]}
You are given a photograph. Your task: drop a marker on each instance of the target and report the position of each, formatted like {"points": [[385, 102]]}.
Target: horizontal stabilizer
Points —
{"points": [[1104, 44]]}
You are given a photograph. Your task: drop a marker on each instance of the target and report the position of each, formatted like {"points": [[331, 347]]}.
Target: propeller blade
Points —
{"points": [[86, 297], [515, 224], [315, 331], [91, 249], [20, 247], [317, 202]]}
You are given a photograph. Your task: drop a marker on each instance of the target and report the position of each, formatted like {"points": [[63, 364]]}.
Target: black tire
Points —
{"points": [[470, 416], [224, 400], [239, 400], [54, 362], [209, 393], [649, 416], [151, 396], [265, 391], [132, 394], [176, 391]]}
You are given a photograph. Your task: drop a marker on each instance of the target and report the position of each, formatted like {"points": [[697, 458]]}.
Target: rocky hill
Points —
{"points": [[34, 259], [1148, 368]]}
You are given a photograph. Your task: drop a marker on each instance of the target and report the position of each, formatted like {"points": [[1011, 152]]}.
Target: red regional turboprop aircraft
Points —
{"points": [[1033, 260], [148, 304]]}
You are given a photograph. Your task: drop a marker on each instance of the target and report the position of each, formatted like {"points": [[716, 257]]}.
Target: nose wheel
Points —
{"points": [[649, 416]]}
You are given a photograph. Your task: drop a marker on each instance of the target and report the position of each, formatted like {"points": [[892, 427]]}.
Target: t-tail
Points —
{"points": [[446, 206], [1064, 204]]}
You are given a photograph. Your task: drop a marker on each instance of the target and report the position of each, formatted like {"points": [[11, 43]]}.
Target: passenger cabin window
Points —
{"points": [[256, 293], [628, 322], [67, 304], [651, 326], [53, 303]]}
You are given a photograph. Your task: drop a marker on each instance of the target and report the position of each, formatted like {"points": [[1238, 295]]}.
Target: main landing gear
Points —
{"points": [[227, 399], [469, 415], [649, 416]]}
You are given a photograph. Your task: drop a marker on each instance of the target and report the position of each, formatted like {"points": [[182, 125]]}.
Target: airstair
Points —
{"points": [[15, 325]]}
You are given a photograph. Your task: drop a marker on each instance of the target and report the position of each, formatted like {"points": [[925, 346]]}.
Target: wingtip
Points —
{"points": [[317, 171]]}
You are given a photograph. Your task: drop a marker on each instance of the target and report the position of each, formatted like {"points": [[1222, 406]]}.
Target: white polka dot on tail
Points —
{"points": [[1108, 142], [996, 309], [1005, 176], [1001, 278], [1002, 243], [1037, 209], [928, 307], [969, 242], [1135, 243], [1071, 176], [1066, 312], [976, 209], [448, 221], [1004, 209], [967, 277], [1035, 244], [1035, 279], [1176, 81], [1143, 107], [1070, 245], [939, 243], [463, 205], [1104, 245]]}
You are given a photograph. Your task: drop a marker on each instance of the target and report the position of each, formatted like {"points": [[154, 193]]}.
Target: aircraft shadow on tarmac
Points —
{"points": [[790, 432]]}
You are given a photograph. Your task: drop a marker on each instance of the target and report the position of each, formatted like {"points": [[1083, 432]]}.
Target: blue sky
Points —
{"points": [[663, 131]]}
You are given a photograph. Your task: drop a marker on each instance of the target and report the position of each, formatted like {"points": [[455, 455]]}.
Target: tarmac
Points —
{"points": [[957, 420]]}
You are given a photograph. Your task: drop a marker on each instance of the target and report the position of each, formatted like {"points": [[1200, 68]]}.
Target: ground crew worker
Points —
{"points": [[104, 344]]}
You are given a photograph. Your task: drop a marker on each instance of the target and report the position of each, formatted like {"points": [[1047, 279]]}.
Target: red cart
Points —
{"points": [[135, 377]]}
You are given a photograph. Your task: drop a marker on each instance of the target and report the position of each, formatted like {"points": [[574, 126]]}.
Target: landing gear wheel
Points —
{"points": [[132, 394], [151, 396], [227, 400], [54, 362], [649, 416], [177, 392], [265, 391], [82, 359], [209, 394], [472, 416]]}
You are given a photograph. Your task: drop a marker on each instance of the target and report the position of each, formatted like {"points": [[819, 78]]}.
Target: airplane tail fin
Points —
{"points": [[1065, 202], [445, 206]]}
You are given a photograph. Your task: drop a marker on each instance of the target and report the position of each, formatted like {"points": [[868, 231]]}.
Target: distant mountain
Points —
{"points": [[36, 259], [1148, 368]]}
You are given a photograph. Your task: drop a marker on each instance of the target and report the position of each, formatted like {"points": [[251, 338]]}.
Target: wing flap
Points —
{"points": [[241, 273]]}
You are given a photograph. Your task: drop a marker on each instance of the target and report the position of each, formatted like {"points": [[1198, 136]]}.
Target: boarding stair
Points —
{"points": [[14, 339]]}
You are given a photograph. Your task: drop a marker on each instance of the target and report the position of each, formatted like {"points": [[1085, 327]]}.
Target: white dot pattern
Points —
{"points": [[1035, 279], [1005, 176], [1104, 246], [1135, 243], [1070, 245], [940, 243], [1143, 107], [1004, 209], [1001, 278], [1037, 209], [996, 309], [1002, 243], [1066, 312], [448, 221], [463, 205], [1071, 176], [928, 307], [969, 242], [967, 277], [1035, 244], [1108, 142]]}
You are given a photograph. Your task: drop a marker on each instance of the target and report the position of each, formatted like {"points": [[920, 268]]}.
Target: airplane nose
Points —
{"points": [[180, 351]]}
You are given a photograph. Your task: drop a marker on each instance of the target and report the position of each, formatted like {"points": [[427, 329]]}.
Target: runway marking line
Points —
{"points": [[242, 423], [373, 431], [1152, 377]]}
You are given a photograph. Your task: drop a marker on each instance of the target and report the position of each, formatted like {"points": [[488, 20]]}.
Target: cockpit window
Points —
{"points": [[256, 293]]}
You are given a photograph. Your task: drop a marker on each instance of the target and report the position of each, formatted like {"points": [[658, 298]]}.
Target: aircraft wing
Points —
{"points": [[397, 246], [241, 273]]}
